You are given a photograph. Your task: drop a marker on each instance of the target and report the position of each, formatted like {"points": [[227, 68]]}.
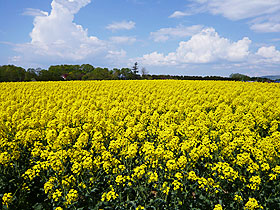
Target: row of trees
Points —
{"points": [[11, 73]]}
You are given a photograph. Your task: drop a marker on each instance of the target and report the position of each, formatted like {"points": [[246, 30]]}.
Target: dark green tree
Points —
{"points": [[45, 75], [86, 68], [240, 77], [11, 73], [98, 74], [126, 73], [116, 73], [31, 75]]}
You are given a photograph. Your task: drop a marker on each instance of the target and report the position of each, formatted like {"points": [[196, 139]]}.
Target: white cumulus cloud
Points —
{"points": [[116, 55], [123, 25], [55, 36], [73, 6], [269, 54], [180, 31], [204, 47]]}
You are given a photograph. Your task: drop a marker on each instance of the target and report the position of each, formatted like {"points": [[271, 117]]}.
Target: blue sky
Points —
{"points": [[195, 37]]}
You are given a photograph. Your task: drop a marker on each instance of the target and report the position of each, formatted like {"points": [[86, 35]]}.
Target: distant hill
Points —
{"points": [[272, 77]]}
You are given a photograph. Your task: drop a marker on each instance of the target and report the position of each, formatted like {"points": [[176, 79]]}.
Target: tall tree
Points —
{"points": [[135, 68]]}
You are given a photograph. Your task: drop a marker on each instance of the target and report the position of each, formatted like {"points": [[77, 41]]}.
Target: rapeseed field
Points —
{"points": [[139, 145]]}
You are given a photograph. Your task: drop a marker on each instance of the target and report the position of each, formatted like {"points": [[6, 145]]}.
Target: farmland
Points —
{"points": [[139, 145]]}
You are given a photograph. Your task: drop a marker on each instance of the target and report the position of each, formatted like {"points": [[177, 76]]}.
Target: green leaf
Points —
{"points": [[38, 206]]}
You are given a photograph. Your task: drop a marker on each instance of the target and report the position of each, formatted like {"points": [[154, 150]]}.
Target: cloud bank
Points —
{"points": [[263, 15], [269, 54], [204, 47]]}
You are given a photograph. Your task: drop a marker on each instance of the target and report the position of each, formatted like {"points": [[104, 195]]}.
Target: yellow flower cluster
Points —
{"points": [[107, 136], [71, 196], [255, 181], [238, 198], [7, 199], [218, 207], [252, 204], [111, 195]]}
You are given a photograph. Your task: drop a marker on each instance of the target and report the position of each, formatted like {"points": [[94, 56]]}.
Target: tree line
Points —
{"points": [[12, 73]]}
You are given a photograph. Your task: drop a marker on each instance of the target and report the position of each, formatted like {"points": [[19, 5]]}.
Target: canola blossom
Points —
{"points": [[139, 145]]}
